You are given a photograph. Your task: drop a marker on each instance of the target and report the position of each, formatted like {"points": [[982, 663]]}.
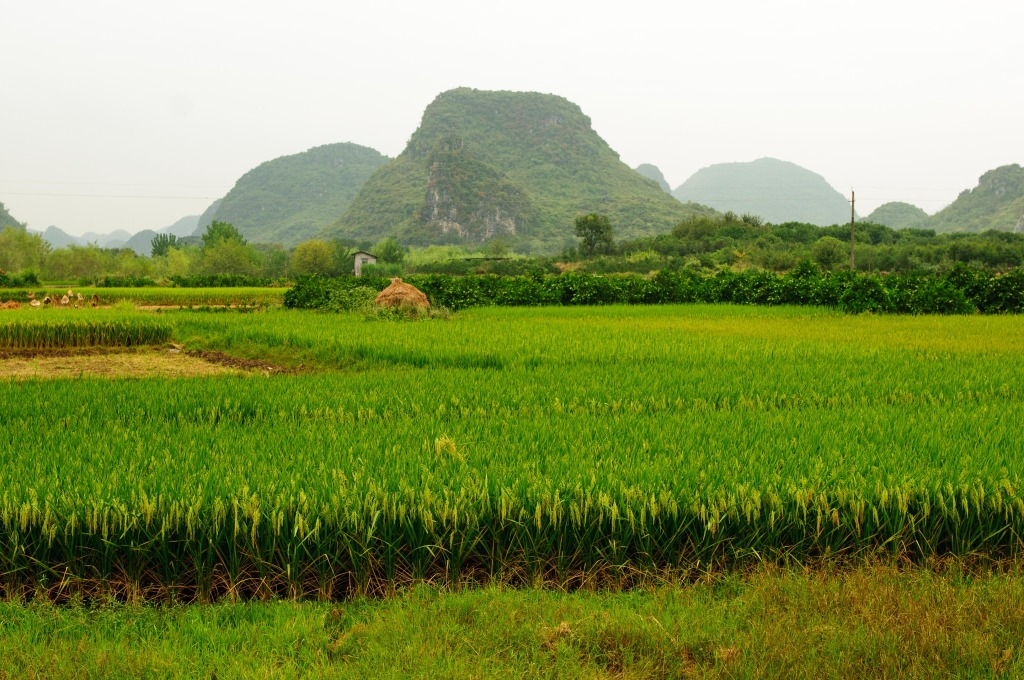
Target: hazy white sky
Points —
{"points": [[129, 115]]}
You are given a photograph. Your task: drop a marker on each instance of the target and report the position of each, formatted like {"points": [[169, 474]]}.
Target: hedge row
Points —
{"points": [[18, 280], [224, 281], [961, 291]]}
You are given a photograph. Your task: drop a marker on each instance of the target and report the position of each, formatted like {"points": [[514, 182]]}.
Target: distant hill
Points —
{"points": [[996, 203], [183, 227], [142, 242], [6, 219], [899, 215], [115, 239], [57, 238], [776, 190], [653, 172], [290, 199], [519, 165]]}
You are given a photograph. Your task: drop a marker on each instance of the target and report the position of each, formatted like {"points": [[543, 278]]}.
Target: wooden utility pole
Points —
{"points": [[853, 218]]}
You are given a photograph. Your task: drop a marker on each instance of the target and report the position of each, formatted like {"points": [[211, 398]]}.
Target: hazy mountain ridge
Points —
{"points": [[996, 203], [899, 215], [653, 172], [140, 241], [290, 199], [778, 191], [183, 227], [521, 165]]}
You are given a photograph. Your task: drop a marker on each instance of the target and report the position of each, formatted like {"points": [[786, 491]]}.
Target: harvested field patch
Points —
{"points": [[121, 363]]}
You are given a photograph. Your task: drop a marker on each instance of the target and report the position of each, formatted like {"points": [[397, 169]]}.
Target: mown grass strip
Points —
{"points": [[870, 621]]}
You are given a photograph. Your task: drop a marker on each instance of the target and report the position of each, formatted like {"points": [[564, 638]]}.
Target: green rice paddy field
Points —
{"points": [[582, 449]]}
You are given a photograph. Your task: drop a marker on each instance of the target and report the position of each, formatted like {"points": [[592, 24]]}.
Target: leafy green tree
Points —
{"points": [[312, 257], [128, 263], [389, 251], [828, 251], [161, 243], [273, 260], [20, 250], [177, 262], [79, 262], [229, 256], [498, 247], [221, 231], [596, 234]]}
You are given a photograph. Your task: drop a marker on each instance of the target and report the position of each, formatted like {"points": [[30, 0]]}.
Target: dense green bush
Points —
{"points": [[124, 282], [22, 280], [961, 291], [224, 281]]}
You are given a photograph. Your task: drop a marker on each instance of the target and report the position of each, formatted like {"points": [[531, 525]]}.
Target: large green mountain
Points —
{"points": [[996, 203], [776, 190], [518, 165], [290, 199], [899, 215]]}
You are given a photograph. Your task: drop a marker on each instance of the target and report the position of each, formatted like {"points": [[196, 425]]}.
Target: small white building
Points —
{"points": [[361, 258]]}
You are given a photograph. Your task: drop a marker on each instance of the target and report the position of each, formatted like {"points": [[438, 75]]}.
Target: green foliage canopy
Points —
{"points": [[828, 251], [221, 231], [595, 232], [389, 251], [312, 257], [162, 243]]}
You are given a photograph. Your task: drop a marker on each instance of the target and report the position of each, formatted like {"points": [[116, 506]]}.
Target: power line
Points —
{"points": [[106, 184], [57, 195]]}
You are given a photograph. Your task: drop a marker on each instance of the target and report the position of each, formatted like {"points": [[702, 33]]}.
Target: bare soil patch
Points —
{"points": [[105, 362], [228, 361]]}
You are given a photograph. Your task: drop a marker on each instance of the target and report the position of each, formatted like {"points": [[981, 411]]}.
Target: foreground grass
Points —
{"points": [[872, 621]]}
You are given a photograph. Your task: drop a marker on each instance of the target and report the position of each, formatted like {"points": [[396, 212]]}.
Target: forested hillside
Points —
{"points": [[6, 219], [996, 203], [515, 165], [290, 199], [899, 215]]}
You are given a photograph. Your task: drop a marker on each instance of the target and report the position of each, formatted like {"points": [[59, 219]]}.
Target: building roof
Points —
{"points": [[363, 252]]}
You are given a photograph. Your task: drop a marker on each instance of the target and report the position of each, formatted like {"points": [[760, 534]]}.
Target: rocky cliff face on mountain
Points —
{"points": [[518, 165], [996, 203]]}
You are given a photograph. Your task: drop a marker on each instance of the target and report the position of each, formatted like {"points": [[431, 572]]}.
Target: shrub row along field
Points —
{"points": [[67, 332], [568, 445], [164, 297], [961, 291]]}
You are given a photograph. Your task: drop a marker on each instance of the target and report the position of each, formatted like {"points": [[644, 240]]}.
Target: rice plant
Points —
{"points": [[561, 446], [66, 333]]}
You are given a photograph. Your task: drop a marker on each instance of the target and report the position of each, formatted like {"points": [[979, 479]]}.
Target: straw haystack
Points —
{"points": [[400, 294]]}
